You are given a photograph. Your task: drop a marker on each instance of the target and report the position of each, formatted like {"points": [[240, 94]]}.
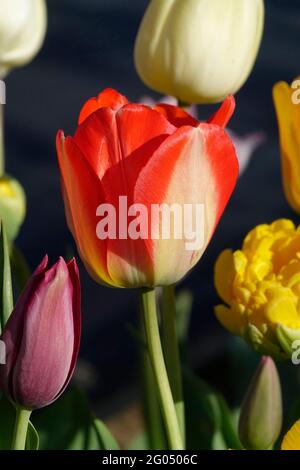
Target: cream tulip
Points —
{"points": [[22, 31], [199, 51]]}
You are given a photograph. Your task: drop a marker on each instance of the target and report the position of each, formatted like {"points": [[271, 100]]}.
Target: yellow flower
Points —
{"points": [[260, 285], [12, 205], [291, 440], [288, 115]]}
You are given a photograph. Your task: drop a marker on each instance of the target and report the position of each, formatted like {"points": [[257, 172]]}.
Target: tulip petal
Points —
{"points": [[141, 131], [118, 145], [291, 440], [82, 193], [224, 275], [125, 140], [39, 371], [230, 321], [75, 281], [12, 333], [204, 158], [223, 115], [108, 98], [282, 308], [176, 116], [107, 139], [288, 116]]}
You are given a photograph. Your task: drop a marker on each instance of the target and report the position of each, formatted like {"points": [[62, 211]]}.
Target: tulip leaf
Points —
{"points": [[141, 442], [7, 420], [104, 436], [6, 291], [68, 424], [32, 440], [209, 423], [20, 269]]}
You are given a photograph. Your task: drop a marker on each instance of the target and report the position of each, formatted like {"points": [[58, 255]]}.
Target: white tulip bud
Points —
{"points": [[22, 31], [199, 51]]}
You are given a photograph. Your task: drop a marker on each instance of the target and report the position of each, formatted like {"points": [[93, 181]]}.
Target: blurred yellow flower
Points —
{"points": [[260, 285], [291, 440], [288, 115], [12, 205]]}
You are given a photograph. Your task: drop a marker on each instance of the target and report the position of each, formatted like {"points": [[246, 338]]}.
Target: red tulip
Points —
{"points": [[42, 336], [148, 157]]}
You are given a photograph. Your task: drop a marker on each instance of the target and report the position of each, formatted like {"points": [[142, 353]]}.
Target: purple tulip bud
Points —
{"points": [[42, 336]]}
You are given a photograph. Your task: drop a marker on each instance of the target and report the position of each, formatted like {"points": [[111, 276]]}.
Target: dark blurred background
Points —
{"points": [[88, 47]]}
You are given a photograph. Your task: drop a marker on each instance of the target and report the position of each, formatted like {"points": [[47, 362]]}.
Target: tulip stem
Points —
{"points": [[2, 155], [20, 430], [171, 353], [159, 369]]}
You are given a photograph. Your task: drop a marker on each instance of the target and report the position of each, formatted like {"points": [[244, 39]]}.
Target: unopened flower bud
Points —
{"points": [[261, 414], [42, 337], [12, 205], [198, 50]]}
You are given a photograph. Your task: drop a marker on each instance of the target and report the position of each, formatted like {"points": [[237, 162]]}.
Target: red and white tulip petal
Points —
{"points": [[84, 195], [176, 116], [108, 98], [223, 115], [186, 170]]}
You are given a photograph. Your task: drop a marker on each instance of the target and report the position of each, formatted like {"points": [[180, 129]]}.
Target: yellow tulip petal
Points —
{"points": [[264, 290], [281, 307], [282, 224], [224, 275], [229, 319], [291, 440], [288, 116]]}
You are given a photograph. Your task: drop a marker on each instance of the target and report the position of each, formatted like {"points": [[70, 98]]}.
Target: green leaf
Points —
{"points": [[184, 304], [229, 425], [141, 442], [7, 420], [20, 269], [6, 292], [32, 439], [68, 424], [105, 438], [209, 424]]}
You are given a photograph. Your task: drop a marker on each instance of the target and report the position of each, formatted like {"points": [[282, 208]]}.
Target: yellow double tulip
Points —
{"points": [[260, 285]]}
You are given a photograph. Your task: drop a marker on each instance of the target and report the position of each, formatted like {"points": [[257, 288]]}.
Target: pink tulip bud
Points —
{"points": [[42, 336]]}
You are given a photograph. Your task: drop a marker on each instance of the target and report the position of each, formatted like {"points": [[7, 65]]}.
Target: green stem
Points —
{"points": [[153, 416], [159, 369], [151, 405], [2, 154], [171, 353], [20, 430]]}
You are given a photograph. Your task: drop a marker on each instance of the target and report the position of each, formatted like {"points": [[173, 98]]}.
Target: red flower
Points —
{"points": [[153, 157]]}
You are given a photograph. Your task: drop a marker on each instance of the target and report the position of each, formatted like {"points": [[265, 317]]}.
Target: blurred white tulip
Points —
{"points": [[22, 31], [198, 50]]}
